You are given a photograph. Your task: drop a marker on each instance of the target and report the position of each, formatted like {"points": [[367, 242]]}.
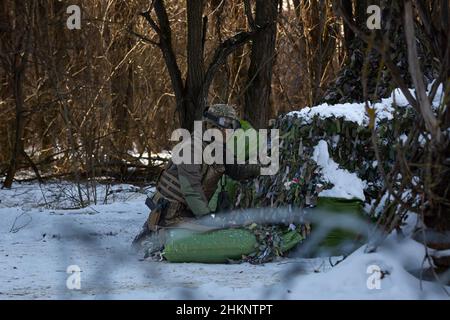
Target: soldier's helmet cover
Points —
{"points": [[218, 113]]}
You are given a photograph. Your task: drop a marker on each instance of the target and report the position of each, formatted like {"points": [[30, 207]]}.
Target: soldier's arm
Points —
{"points": [[190, 178], [242, 172]]}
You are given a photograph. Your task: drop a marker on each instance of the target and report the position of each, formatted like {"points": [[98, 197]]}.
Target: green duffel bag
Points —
{"points": [[218, 246], [340, 241], [290, 239], [340, 205]]}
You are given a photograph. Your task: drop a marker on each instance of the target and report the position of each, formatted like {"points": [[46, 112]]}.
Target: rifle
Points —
{"points": [[156, 204]]}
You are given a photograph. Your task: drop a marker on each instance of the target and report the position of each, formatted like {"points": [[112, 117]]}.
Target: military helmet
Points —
{"points": [[222, 115]]}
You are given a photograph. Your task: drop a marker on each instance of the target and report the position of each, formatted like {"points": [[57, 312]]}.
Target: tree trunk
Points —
{"points": [[191, 96], [18, 67], [196, 73], [221, 81], [5, 85], [18, 128], [121, 85], [257, 96], [361, 13], [349, 36], [52, 42]]}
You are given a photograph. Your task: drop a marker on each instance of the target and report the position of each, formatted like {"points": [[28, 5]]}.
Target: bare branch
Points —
{"points": [[223, 51], [414, 69], [144, 38], [151, 22], [164, 32], [249, 14]]}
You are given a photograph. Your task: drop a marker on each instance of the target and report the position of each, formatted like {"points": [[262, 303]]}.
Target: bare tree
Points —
{"points": [[121, 84], [191, 95], [257, 95], [15, 50]]}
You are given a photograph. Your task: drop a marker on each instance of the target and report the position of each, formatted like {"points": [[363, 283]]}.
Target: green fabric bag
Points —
{"points": [[218, 246], [340, 241], [289, 240], [339, 205]]}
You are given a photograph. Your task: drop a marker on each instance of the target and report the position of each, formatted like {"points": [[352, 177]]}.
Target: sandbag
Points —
{"points": [[340, 241], [340, 205], [290, 239], [218, 246]]}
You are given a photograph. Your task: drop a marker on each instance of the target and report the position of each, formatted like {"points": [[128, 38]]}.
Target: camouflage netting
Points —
{"points": [[300, 180], [349, 145]]}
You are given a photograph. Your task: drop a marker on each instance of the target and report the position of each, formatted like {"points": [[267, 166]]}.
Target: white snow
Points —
{"points": [[356, 112], [347, 185], [39, 241], [144, 157], [399, 98], [379, 275], [350, 111], [403, 138], [439, 97]]}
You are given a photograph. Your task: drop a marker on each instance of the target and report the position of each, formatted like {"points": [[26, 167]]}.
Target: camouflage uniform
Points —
{"points": [[187, 188]]}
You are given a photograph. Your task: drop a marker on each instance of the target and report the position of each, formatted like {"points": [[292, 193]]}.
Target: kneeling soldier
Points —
{"points": [[183, 191]]}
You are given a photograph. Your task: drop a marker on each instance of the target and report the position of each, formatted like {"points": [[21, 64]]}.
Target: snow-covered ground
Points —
{"points": [[42, 235]]}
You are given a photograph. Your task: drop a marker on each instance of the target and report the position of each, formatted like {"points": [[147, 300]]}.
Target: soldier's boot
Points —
{"points": [[150, 226], [154, 244], [140, 238], [148, 241]]}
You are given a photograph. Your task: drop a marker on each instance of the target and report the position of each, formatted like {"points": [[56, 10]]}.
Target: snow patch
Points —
{"points": [[384, 274], [356, 112], [350, 111], [347, 185]]}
